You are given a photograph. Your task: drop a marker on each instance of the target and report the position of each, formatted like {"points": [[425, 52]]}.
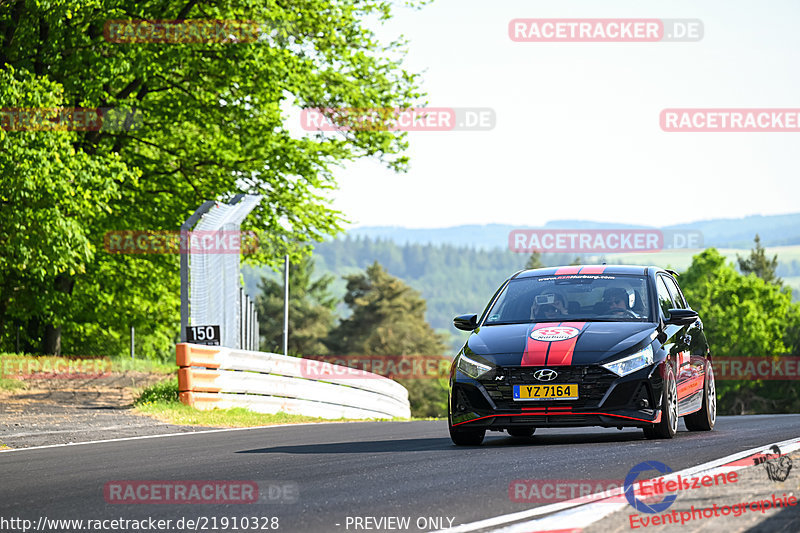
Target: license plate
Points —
{"points": [[567, 391]]}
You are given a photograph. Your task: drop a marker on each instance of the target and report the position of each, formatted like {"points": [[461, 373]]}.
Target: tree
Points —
{"points": [[388, 318], [744, 316], [534, 261], [212, 124], [311, 311], [54, 200], [759, 265]]}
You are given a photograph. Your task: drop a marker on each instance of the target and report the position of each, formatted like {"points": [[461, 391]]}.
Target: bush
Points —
{"points": [[165, 391]]}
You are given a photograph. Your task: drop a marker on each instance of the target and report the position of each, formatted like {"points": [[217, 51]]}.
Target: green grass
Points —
{"points": [[180, 414]]}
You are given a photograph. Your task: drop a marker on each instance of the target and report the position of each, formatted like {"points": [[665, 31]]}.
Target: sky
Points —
{"points": [[577, 132]]}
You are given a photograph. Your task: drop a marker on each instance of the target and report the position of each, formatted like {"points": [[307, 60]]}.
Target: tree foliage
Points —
{"points": [[214, 122], [54, 201], [387, 317], [744, 316]]}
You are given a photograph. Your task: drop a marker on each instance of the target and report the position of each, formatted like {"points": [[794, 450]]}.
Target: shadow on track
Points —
{"points": [[445, 444], [374, 446]]}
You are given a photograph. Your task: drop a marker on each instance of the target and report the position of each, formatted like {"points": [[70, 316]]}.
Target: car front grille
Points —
{"points": [[593, 383]]}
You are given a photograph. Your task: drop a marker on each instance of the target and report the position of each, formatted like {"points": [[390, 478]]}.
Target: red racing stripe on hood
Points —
{"points": [[560, 353], [536, 351]]}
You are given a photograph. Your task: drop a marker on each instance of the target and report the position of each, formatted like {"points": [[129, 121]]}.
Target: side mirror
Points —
{"points": [[466, 322], [682, 317]]}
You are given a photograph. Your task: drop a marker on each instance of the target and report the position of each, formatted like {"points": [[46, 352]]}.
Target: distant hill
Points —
{"points": [[774, 230]]}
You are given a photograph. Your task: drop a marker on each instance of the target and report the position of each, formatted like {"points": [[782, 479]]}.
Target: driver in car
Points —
{"points": [[549, 305], [617, 300]]}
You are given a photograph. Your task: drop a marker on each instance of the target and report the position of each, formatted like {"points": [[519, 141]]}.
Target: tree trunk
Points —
{"points": [[51, 344]]}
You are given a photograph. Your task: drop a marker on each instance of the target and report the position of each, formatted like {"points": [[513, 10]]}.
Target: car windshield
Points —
{"points": [[572, 298]]}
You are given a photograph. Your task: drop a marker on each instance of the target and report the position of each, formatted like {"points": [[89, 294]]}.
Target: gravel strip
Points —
{"points": [[60, 411]]}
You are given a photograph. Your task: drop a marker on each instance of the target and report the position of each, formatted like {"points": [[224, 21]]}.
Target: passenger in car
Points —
{"points": [[549, 305]]}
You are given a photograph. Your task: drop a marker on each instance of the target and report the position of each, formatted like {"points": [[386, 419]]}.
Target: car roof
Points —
{"points": [[639, 270]]}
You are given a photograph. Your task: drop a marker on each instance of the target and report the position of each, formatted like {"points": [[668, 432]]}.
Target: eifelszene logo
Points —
{"points": [[630, 482]]}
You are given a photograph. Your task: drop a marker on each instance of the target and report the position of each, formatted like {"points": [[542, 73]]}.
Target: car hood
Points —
{"points": [[555, 343]]}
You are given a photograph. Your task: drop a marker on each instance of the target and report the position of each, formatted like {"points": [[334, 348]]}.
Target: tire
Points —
{"points": [[668, 425], [706, 417], [466, 437], [521, 433]]}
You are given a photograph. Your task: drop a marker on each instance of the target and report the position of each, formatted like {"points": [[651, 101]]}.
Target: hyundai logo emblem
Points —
{"points": [[545, 374]]}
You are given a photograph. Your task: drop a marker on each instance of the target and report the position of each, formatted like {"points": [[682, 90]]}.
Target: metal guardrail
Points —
{"points": [[218, 377]]}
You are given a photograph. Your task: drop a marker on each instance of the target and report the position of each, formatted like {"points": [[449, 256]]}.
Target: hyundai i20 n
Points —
{"points": [[610, 346]]}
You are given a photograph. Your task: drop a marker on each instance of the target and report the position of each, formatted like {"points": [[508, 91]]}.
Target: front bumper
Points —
{"points": [[604, 399]]}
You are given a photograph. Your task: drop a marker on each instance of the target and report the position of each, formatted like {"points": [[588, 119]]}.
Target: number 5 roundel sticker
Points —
{"points": [[554, 333]]}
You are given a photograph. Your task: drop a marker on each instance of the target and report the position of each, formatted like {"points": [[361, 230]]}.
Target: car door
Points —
{"points": [[675, 344], [694, 357]]}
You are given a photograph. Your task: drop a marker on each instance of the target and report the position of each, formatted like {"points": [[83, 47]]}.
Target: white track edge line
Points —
{"points": [[570, 504], [121, 439]]}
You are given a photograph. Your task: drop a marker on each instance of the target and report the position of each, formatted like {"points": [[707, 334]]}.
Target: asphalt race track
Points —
{"points": [[340, 470]]}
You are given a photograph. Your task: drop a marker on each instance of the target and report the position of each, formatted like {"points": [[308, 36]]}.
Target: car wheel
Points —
{"points": [[466, 437], [668, 426], [704, 419], [522, 433]]}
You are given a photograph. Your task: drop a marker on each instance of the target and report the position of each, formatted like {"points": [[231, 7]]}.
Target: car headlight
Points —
{"points": [[631, 363], [472, 368]]}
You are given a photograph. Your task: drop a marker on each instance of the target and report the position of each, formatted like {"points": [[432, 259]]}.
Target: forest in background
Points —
{"points": [[458, 279]]}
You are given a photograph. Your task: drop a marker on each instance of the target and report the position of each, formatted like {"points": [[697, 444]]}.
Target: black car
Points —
{"points": [[610, 346]]}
